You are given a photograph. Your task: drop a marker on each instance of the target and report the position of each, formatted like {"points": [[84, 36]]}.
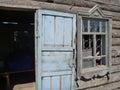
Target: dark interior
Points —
{"points": [[17, 63]]}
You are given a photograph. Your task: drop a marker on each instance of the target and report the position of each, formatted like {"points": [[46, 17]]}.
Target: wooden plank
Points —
{"points": [[46, 83], [48, 32], [66, 82], [68, 31], [38, 45], [56, 83], [55, 61], [56, 73], [59, 39]]}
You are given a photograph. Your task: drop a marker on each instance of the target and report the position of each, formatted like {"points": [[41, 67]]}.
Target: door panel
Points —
{"points": [[55, 33], [56, 61]]}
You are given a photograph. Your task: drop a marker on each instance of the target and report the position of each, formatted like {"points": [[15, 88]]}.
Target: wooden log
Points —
{"points": [[115, 15], [116, 41], [115, 60], [112, 2], [33, 5], [115, 51], [116, 24], [84, 3], [115, 68], [116, 33]]}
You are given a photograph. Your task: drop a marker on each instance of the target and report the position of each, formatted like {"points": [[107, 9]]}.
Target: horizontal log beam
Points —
{"points": [[33, 5], [116, 24], [116, 41], [115, 68], [116, 60], [116, 33], [84, 3], [111, 2]]}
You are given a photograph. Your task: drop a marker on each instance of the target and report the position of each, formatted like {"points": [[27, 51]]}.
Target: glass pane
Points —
{"points": [[103, 26], [87, 63], [98, 45], [87, 45], [103, 44], [94, 26], [100, 61], [85, 25], [103, 61]]}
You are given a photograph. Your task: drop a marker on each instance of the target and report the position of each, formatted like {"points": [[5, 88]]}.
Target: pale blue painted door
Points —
{"points": [[55, 35]]}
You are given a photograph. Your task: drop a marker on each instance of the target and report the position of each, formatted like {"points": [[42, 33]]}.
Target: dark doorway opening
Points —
{"points": [[17, 60]]}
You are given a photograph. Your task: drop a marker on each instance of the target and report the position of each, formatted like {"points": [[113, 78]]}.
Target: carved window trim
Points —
{"points": [[96, 14]]}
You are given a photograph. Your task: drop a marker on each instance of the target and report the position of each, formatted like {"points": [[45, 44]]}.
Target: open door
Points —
{"points": [[55, 46]]}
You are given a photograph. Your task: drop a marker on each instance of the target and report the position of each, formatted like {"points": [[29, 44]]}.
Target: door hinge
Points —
{"points": [[37, 36]]}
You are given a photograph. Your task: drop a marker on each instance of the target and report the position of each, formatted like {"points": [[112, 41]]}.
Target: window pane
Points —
{"points": [[98, 45], [103, 45], [103, 61], [85, 25], [103, 26], [94, 26], [87, 45], [87, 63], [100, 61]]}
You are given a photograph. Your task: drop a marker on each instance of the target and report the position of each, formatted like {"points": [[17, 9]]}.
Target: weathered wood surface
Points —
{"points": [[115, 60], [73, 7], [112, 2], [110, 86], [26, 86], [116, 33], [33, 5], [116, 41], [101, 83], [85, 3], [116, 24], [115, 68], [115, 51]]}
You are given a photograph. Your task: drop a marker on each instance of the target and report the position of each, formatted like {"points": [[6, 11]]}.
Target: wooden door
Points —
{"points": [[55, 35]]}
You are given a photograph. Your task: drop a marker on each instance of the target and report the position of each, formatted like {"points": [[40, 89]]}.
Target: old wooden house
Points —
{"points": [[59, 44]]}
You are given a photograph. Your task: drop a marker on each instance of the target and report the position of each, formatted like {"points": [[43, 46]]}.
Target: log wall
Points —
{"points": [[72, 6]]}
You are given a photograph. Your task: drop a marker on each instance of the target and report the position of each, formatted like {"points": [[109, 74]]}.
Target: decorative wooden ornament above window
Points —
{"points": [[93, 43]]}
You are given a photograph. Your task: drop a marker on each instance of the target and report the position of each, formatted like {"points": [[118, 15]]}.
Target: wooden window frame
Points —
{"points": [[97, 14]]}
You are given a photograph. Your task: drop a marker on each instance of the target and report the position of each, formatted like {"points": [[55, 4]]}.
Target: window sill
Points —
{"points": [[94, 72]]}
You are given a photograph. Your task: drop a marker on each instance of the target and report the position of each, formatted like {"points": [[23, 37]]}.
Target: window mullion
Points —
{"points": [[106, 42], [88, 26], [94, 48]]}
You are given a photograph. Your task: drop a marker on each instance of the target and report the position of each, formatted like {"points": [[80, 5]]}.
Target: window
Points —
{"points": [[93, 43]]}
